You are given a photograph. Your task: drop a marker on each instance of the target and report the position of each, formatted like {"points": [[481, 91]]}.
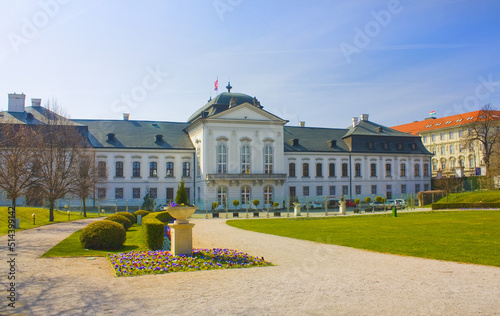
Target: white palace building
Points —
{"points": [[232, 148]]}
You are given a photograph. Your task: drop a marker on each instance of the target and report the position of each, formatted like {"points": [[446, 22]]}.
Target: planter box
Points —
{"points": [[356, 211], [277, 214], [215, 215], [236, 214], [255, 214]]}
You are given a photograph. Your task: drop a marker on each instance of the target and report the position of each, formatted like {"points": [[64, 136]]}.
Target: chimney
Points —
{"points": [[126, 116], [354, 121], [16, 102], [302, 123], [364, 117], [36, 103]]}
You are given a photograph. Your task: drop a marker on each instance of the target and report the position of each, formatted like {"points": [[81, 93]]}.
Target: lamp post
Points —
{"points": [[69, 214]]}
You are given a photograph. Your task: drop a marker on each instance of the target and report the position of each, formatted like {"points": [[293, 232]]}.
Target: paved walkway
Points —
{"points": [[309, 279]]}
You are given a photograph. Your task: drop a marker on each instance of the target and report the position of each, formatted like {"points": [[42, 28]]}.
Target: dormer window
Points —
{"points": [[111, 137], [370, 145]]}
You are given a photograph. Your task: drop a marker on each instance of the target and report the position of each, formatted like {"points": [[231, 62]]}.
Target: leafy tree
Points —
{"points": [[149, 203]]}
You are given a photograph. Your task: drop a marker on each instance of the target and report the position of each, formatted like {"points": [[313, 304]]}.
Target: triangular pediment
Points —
{"points": [[249, 112]]}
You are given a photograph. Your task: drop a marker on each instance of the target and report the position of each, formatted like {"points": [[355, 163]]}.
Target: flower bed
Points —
{"points": [[156, 262]]}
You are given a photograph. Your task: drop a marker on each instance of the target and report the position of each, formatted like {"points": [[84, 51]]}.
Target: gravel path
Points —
{"points": [[309, 279]]}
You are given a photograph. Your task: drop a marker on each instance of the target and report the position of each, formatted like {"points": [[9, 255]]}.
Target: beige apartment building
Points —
{"points": [[445, 138]]}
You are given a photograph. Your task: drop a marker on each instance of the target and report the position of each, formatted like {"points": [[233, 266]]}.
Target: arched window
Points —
{"points": [[245, 195], [472, 161], [268, 194], [443, 164], [268, 159], [221, 195], [245, 159], [221, 158]]}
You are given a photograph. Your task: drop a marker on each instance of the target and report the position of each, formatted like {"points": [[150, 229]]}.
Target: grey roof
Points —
{"points": [[221, 103], [314, 139], [34, 116], [137, 134], [368, 128]]}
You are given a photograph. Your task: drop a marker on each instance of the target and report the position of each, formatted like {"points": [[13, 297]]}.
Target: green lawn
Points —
{"points": [[465, 236], [42, 217], [71, 247], [492, 196]]}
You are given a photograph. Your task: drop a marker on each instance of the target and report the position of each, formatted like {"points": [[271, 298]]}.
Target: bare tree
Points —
{"points": [[485, 131], [18, 145], [448, 185], [87, 177], [59, 156]]}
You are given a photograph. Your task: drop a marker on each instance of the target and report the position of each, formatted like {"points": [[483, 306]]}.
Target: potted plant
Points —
{"points": [[277, 213], [181, 210], [215, 212], [235, 204], [356, 210], [256, 211], [368, 200]]}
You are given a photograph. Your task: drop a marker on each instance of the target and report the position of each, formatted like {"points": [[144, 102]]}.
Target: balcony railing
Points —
{"points": [[246, 176]]}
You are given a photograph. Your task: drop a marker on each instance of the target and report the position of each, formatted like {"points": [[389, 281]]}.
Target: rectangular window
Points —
{"points": [[170, 169], [388, 172], [417, 187], [305, 170], [426, 186], [426, 169], [442, 150], [101, 193], [119, 169], [268, 159], [245, 159], [332, 190], [403, 188], [186, 169], [452, 149], [433, 137], [370, 145], [153, 169], [345, 190], [319, 170], [331, 170], [344, 170], [119, 193], [357, 189], [451, 135], [153, 192], [402, 170], [136, 169], [374, 189], [373, 170], [292, 193], [319, 190], [305, 191], [425, 139], [357, 170], [441, 136], [291, 170], [170, 195], [101, 169], [136, 193], [417, 170], [460, 133]]}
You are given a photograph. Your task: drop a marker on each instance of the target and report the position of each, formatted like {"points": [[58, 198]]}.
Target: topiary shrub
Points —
{"points": [[141, 212], [378, 199], [153, 228], [368, 199], [107, 235], [128, 215], [356, 201], [181, 197], [121, 220], [164, 217]]}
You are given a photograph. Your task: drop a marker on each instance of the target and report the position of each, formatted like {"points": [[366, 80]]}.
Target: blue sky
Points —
{"points": [[317, 61]]}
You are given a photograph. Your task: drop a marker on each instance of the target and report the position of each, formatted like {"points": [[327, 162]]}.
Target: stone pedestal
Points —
{"points": [[296, 208], [182, 238], [342, 208]]}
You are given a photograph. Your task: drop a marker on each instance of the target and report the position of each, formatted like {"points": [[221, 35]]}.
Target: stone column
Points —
{"points": [[182, 238]]}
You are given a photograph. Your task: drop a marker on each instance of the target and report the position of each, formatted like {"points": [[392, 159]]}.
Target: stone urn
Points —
{"points": [[181, 213], [342, 208], [296, 208]]}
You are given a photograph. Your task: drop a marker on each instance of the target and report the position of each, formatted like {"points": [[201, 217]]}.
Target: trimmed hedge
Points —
{"points": [[128, 215], [120, 219], [107, 235], [478, 205], [153, 227], [143, 213]]}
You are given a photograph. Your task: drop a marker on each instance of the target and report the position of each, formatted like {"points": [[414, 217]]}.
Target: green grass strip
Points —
{"points": [[465, 236]]}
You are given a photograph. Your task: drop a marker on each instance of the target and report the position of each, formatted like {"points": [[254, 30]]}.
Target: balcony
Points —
{"points": [[237, 178]]}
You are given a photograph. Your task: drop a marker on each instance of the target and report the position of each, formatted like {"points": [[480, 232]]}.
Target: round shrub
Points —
{"points": [[141, 212], [121, 220], [128, 215], [107, 235]]}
